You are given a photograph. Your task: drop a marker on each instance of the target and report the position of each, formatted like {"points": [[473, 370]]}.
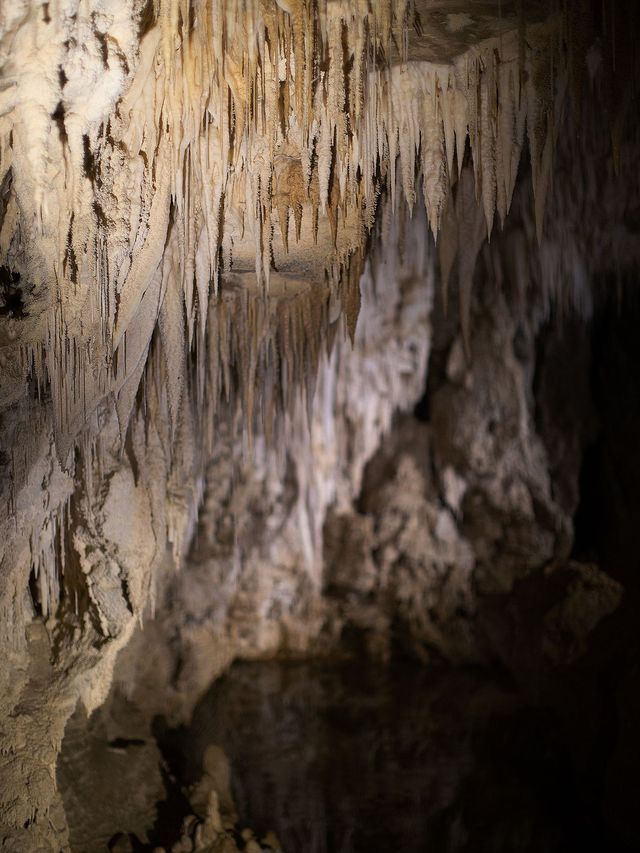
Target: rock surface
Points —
{"points": [[195, 197]]}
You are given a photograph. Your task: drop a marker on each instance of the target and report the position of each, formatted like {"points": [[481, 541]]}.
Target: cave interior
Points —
{"points": [[319, 418]]}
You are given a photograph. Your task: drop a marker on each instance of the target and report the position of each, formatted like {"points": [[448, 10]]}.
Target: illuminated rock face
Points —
{"points": [[214, 302]]}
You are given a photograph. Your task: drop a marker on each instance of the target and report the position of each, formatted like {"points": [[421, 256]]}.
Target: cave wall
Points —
{"points": [[194, 200]]}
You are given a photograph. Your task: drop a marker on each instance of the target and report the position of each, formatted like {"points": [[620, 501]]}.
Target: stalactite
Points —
{"points": [[196, 108], [186, 194]]}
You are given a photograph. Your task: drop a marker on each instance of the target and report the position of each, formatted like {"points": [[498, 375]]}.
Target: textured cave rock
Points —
{"points": [[253, 581], [220, 287]]}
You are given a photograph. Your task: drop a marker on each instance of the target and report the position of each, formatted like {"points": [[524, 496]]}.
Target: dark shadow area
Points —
{"points": [[607, 522], [172, 810], [340, 758]]}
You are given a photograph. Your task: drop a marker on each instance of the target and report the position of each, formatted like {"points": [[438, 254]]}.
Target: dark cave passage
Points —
{"points": [[607, 522]]}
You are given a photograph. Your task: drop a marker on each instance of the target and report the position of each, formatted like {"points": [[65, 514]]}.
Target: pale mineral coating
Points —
{"points": [[253, 582], [155, 156]]}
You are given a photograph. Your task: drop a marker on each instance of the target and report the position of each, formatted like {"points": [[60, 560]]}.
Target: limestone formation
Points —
{"points": [[232, 234]]}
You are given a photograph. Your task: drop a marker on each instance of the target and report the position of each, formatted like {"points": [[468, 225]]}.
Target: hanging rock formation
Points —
{"points": [[217, 273]]}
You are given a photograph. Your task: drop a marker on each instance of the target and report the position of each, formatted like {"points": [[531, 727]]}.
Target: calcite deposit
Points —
{"points": [[236, 237]]}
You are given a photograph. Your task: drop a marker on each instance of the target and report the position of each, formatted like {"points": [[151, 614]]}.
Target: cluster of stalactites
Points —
{"points": [[213, 121], [147, 147]]}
